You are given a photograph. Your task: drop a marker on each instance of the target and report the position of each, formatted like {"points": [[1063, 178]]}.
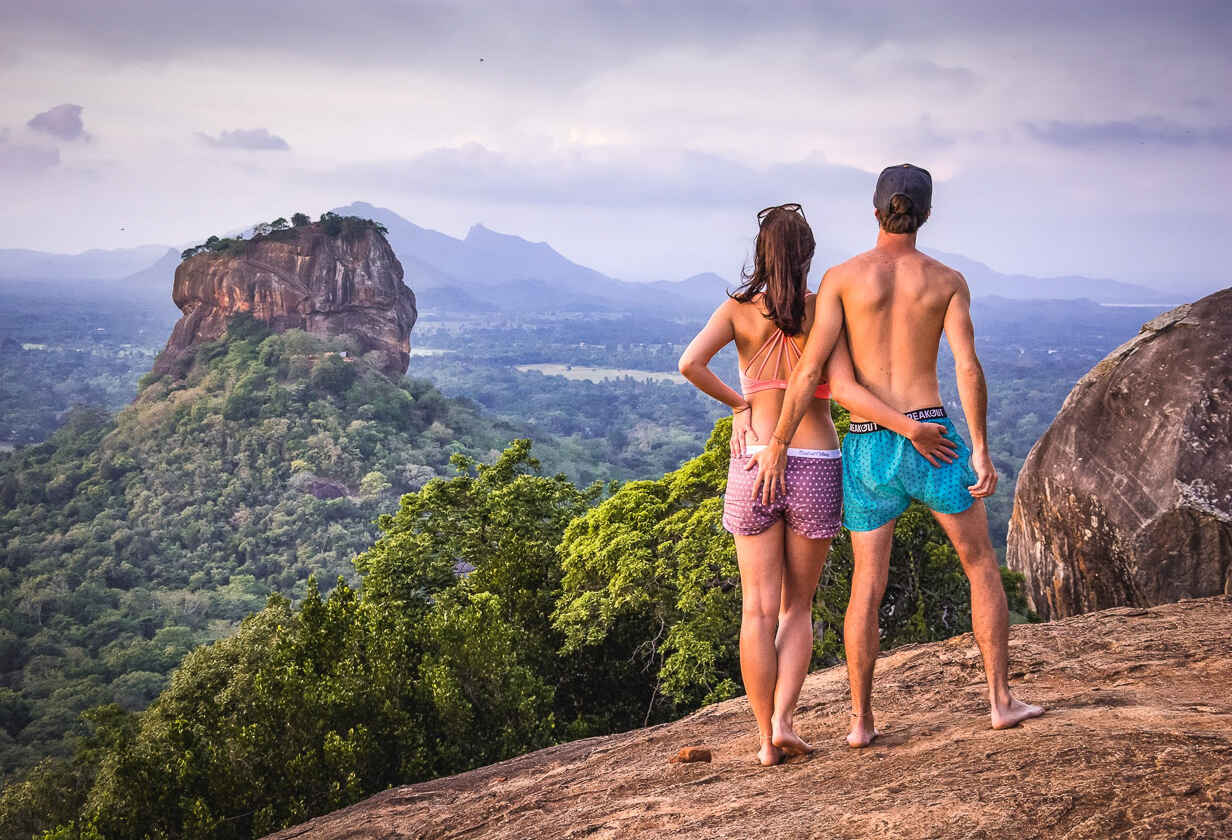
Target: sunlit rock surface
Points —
{"points": [[343, 285], [1136, 743]]}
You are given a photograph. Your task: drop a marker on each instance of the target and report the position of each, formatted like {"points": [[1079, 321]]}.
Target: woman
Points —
{"points": [[781, 545]]}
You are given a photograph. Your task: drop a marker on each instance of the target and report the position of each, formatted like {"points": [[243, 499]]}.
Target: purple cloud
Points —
{"points": [[1143, 131], [25, 159], [62, 121], [259, 139]]}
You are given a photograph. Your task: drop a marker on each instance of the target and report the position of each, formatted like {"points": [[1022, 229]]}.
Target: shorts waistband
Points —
{"points": [[920, 415], [796, 452]]}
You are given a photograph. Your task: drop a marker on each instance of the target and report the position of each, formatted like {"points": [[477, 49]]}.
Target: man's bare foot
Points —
{"points": [[789, 742], [1015, 713], [769, 754], [862, 731]]}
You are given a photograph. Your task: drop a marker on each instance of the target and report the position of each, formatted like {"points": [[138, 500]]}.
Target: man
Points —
{"points": [[895, 302]]}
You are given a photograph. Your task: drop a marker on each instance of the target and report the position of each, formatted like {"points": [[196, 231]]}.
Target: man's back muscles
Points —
{"points": [[894, 303]]}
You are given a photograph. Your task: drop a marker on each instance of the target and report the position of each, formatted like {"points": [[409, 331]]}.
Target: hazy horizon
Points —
{"points": [[1092, 140]]}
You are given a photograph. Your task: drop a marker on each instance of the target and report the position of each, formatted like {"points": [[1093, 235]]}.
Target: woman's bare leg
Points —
{"points": [[761, 561], [794, 641]]}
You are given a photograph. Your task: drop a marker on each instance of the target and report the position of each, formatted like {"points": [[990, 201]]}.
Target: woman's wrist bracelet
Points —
{"points": [[779, 439], [736, 411]]}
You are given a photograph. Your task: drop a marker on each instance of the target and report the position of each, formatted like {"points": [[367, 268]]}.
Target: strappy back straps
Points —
{"points": [[778, 347]]}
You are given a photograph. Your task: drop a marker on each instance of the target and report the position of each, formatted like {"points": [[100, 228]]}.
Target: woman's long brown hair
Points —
{"points": [[780, 267]]}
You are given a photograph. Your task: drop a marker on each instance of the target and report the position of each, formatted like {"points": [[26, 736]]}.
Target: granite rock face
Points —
{"points": [[1127, 498], [328, 285], [1134, 744]]}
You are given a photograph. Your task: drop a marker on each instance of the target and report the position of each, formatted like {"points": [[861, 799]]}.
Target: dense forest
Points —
{"points": [[469, 637], [126, 541], [58, 351]]}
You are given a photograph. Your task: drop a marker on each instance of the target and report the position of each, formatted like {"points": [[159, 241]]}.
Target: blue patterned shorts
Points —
{"points": [[882, 473]]}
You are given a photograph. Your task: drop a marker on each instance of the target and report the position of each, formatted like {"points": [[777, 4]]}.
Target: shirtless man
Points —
{"points": [[896, 302]]}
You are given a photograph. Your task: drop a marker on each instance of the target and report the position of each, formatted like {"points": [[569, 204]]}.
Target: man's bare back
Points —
{"points": [[895, 302]]}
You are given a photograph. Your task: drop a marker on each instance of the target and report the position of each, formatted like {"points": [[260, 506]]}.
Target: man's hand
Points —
{"points": [[771, 464], [930, 441], [742, 430], [985, 474]]}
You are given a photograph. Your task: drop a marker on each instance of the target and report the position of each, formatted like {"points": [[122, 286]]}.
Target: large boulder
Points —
{"points": [[343, 284], [1127, 498]]}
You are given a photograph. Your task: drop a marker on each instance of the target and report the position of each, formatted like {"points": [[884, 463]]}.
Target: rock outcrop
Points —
{"points": [[1136, 743], [349, 284], [1127, 498]]}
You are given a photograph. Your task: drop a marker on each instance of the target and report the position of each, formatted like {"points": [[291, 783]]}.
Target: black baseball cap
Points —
{"points": [[904, 179]]}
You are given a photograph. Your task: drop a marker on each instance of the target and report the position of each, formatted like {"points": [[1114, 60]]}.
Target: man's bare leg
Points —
{"points": [[968, 531], [794, 641], [761, 560], [861, 630]]}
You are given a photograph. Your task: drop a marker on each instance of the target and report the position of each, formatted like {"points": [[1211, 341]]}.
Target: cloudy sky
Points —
{"points": [[637, 138]]}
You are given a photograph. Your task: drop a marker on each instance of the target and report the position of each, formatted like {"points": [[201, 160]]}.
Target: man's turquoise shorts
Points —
{"points": [[882, 473]]}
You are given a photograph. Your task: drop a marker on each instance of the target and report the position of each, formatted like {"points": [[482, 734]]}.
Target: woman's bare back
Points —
{"points": [[752, 329]]}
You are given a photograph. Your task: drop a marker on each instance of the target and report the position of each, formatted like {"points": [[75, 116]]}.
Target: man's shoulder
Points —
{"points": [[850, 267], [939, 271]]}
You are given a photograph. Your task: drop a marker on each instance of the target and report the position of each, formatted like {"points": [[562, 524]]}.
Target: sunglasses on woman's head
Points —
{"points": [[790, 208]]}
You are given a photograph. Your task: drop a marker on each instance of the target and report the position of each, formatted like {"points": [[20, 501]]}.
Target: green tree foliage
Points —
{"points": [[54, 791], [428, 672], [127, 541], [279, 229], [333, 374]]}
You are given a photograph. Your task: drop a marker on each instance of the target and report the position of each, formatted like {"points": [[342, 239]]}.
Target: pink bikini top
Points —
{"points": [[779, 348]]}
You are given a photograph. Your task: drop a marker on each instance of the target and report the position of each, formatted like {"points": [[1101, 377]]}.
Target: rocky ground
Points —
{"points": [[1137, 743]]}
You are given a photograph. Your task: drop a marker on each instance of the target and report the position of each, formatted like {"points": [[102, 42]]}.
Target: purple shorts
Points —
{"points": [[812, 503]]}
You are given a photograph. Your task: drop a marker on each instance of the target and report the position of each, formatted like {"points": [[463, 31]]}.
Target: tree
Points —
{"points": [[333, 375], [279, 224], [300, 219], [374, 484]]}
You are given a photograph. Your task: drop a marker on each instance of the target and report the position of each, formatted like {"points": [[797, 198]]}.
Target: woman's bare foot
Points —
{"points": [[862, 731], [786, 739], [1013, 714], [769, 754]]}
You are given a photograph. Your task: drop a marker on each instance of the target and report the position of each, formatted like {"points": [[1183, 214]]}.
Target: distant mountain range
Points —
{"points": [[985, 282], [489, 271], [496, 271], [20, 264]]}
